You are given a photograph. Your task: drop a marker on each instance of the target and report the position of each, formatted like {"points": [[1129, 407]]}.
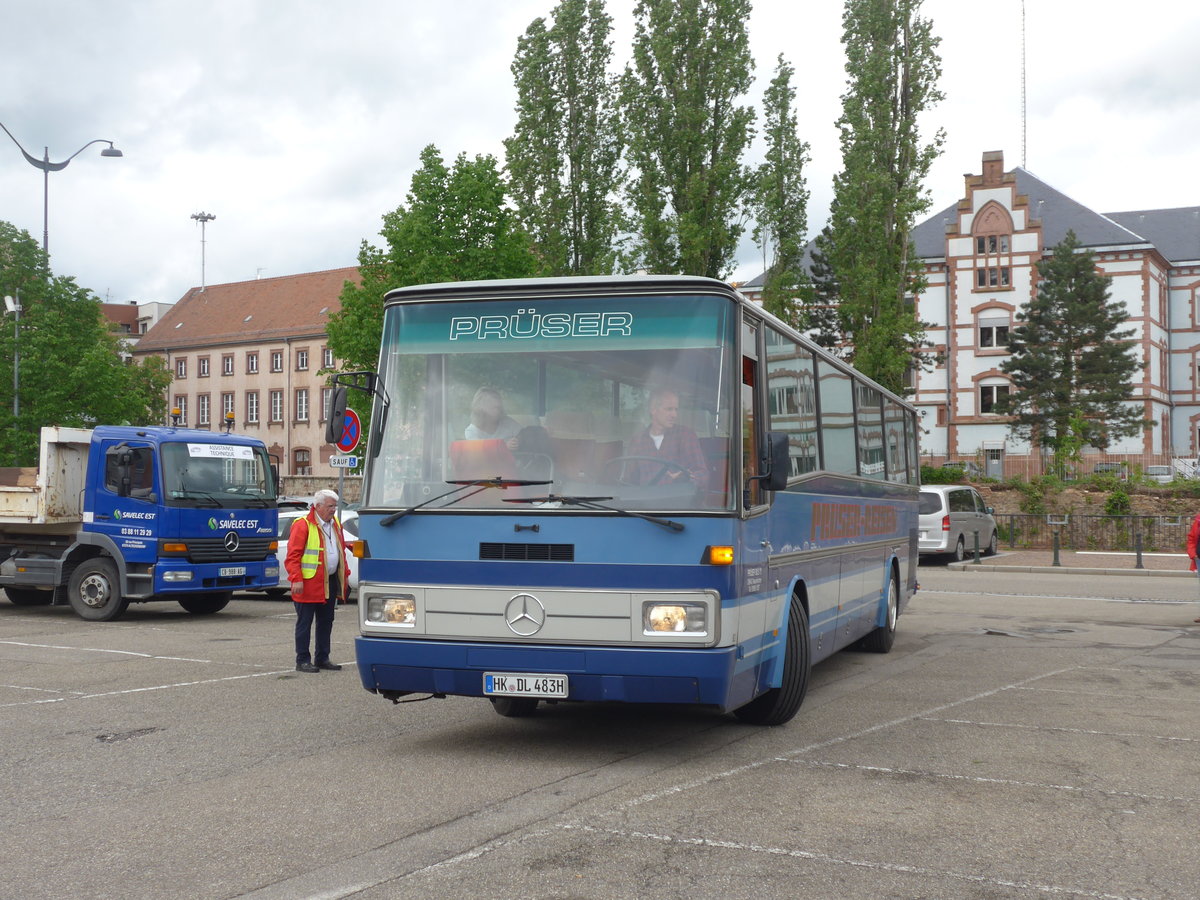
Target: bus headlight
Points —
{"points": [[397, 610], [678, 618]]}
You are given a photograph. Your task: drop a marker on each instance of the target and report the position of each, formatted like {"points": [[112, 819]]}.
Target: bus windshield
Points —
{"points": [[622, 400]]}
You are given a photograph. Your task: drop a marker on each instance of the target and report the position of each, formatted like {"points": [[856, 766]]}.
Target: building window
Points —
{"points": [[252, 407], [276, 360], [301, 462], [992, 276], [993, 329], [202, 404], [989, 396], [991, 243], [202, 367], [327, 358], [302, 360], [251, 363], [180, 407], [276, 406], [227, 406], [181, 368], [301, 404], [326, 399], [227, 364]]}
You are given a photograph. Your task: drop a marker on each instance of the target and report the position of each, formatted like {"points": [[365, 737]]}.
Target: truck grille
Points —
{"points": [[208, 550], [528, 552]]}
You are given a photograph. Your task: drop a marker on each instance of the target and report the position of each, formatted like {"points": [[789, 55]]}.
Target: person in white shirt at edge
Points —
{"points": [[489, 421], [317, 567]]}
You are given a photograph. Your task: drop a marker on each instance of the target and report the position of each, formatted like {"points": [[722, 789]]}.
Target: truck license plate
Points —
{"points": [[227, 571], [524, 684]]}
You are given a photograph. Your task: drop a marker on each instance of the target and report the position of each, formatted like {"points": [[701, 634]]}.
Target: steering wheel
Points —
{"points": [[664, 466]]}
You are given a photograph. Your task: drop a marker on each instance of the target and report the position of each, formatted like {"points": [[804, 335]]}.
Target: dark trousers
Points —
{"points": [[323, 614]]}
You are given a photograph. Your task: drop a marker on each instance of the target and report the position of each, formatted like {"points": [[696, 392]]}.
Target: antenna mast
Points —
{"points": [[1023, 111], [203, 218]]}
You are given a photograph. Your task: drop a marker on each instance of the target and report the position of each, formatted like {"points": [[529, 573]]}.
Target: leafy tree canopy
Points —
{"points": [[455, 226], [70, 365]]}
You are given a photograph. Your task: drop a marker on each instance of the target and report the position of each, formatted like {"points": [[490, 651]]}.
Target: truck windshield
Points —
{"points": [[224, 475], [623, 398]]}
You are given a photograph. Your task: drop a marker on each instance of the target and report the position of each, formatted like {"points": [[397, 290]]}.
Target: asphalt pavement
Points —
{"points": [[1079, 562]]}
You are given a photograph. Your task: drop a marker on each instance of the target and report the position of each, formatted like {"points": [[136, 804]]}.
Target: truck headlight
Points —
{"points": [[400, 609], [178, 575], [271, 572], [678, 618]]}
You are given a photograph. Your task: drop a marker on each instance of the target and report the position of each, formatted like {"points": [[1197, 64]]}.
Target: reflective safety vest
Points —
{"points": [[311, 560]]}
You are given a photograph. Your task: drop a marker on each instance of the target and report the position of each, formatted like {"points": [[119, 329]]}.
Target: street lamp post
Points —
{"points": [[47, 167], [13, 305]]}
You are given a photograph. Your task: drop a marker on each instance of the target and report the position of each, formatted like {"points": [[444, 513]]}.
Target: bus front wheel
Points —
{"points": [[779, 705]]}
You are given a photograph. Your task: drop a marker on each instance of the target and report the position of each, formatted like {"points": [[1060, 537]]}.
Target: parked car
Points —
{"points": [[289, 512], [950, 516], [1161, 474], [1111, 468]]}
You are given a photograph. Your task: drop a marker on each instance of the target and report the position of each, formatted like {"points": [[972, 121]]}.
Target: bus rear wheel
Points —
{"points": [[779, 705], [881, 639], [514, 707]]}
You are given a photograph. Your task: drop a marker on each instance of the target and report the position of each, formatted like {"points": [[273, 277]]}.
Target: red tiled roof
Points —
{"points": [[250, 311], [121, 314]]}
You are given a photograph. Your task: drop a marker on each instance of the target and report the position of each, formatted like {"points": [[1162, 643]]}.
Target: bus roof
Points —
{"points": [[580, 284]]}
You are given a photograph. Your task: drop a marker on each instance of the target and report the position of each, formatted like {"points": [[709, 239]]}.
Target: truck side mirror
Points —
{"points": [[337, 415]]}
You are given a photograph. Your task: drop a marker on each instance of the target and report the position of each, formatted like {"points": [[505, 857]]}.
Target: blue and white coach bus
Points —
{"points": [[634, 489]]}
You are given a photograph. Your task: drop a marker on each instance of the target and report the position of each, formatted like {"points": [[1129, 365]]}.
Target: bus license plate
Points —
{"points": [[524, 684], [226, 571]]}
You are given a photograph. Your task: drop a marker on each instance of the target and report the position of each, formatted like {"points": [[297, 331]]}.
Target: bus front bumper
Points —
{"points": [[707, 676]]}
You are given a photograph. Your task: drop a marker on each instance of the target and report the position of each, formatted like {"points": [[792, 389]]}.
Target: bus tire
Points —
{"points": [[95, 592], [206, 604], [779, 705], [514, 707], [28, 596], [881, 639]]}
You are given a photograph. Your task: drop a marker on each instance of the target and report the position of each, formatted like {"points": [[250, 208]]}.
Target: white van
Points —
{"points": [[950, 516]]}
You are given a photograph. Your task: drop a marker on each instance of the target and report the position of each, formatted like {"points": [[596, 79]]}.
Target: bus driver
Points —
{"points": [[663, 439]]}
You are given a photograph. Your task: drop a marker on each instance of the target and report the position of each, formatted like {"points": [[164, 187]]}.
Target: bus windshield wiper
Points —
{"points": [[591, 503], [480, 484]]}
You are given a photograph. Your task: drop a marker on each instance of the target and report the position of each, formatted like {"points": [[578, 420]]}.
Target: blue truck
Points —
{"points": [[119, 514]]}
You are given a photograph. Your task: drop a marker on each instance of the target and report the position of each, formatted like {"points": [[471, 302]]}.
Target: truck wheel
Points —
{"points": [[28, 596], [514, 707], [206, 604], [94, 591], [778, 705]]}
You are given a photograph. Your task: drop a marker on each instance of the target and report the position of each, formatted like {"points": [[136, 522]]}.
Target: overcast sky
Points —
{"points": [[298, 123]]}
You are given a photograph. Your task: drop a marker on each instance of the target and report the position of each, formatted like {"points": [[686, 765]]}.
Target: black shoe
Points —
{"points": [[329, 666], [306, 667]]}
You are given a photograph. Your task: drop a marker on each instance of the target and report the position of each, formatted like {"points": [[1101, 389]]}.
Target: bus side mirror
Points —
{"points": [[778, 461], [337, 415]]}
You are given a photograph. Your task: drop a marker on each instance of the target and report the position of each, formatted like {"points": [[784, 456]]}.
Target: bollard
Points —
{"points": [[1056, 561], [977, 548], [1137, 545]]}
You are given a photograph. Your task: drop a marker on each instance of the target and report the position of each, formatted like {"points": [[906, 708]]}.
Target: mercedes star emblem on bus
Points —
{"points": [[525, 615]]}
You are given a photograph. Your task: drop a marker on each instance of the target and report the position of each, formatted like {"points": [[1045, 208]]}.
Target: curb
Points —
{"points": [[1067, 570]]}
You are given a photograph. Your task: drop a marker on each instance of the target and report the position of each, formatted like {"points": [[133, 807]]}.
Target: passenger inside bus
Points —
{"points": [[489, 420]]}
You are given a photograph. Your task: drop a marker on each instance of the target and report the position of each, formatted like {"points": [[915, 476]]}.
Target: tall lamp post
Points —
{"points": [[47, 167], [13, 305]]}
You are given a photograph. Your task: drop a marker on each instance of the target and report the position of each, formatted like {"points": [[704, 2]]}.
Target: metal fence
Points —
{"points": [[1161, 534]]}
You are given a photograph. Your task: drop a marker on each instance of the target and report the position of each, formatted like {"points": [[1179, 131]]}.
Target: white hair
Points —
{"points": [[324, 494]]}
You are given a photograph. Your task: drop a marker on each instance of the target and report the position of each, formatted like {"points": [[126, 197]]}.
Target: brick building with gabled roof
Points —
{"points": [[256, 348], [979, 255]]}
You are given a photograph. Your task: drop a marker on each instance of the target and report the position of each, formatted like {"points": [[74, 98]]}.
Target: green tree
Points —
{"points": [[563, 159], [456, 226], [1072, 363], [782, 197], [817, 314], [71, 369], [687, 133], [893, 69]]}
